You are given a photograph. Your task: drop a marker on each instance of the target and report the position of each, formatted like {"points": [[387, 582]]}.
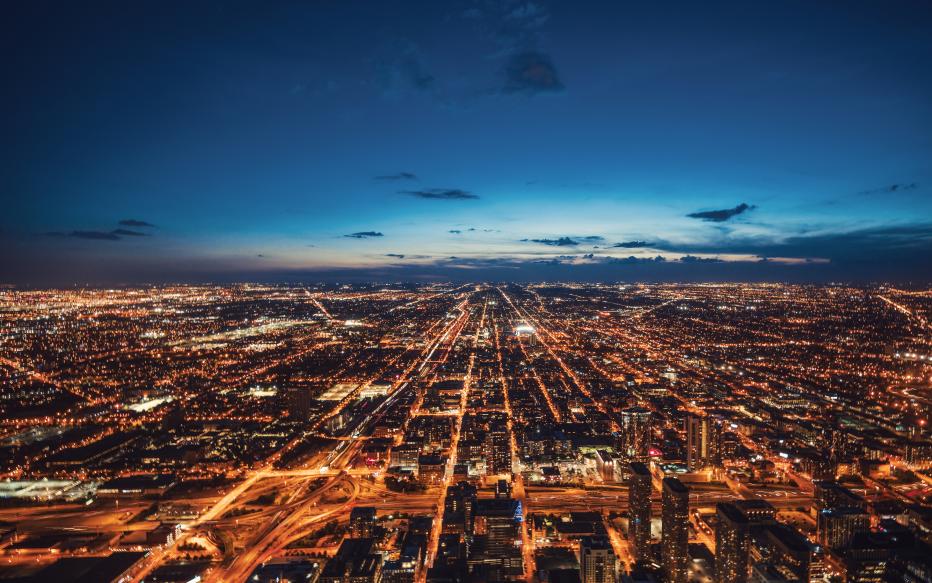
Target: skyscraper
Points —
{"points": [[635, 434], [716, 441], [674, 539], [299, 403], [840, 514], [497, 522], [596, 560], [731, 544], [639, 489], [698, 430], [499, 444]]}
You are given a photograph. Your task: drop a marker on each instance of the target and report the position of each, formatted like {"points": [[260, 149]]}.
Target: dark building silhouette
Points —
{"points": [[698, 442], [596, 560], [731, 544], [636, 434], [674, 540], [639, 489]]}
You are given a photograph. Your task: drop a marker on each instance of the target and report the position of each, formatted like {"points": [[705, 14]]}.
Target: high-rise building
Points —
{"points": [[757, 511], [717, 441], [674, 539], [698, 430], [639, 488], [731, 544], [840, 514], [299, 403], [635, 434], [499, 444], [596, 560], [502, 489], [497, 524], [461, 500], [362, 521], [838, 526]]}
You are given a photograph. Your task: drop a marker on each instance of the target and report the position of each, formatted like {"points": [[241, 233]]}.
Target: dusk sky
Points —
{"points": [[505, 140]]}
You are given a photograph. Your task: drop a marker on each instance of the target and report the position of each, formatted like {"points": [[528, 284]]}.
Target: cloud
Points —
{"points": [[455, 231], [531, 73], [135, 223], [561, 242], [364, 234], [898, 187], [395, 255], [441, 193], [566, 241], [129, 233], [260, 255], [397, 176], [694, 259], [631, 245], [632, 260], [720, 216], [894, 251], [529, 14], [95, 235]]}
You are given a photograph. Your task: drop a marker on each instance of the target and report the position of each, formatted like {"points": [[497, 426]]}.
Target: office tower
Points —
{"points": [[596, 560], [362, 521], [299, 403], [830, 494], [840, 514], [502, 489], [461, 499], [757, 511], [635, 434], [354, 561], [716, 441], [731, 544], [674, 539], [838, 526], [697, 442], [639, 489], [499, 444], [786, 549], [497, 524]]}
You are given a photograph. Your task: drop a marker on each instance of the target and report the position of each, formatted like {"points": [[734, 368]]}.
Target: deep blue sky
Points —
{"points": [[466, 140]]}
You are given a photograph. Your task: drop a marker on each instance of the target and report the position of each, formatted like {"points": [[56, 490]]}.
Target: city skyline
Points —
{"points": [[388, 433], [487, 141]]}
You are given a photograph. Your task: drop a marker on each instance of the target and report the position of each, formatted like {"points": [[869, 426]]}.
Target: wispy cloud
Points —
{"points": [[695, 259], [135, 223], [720, 216], [395, 255], [567, 240], [364, 235], [397, 176], [898, 187], [631, 244], [441, 194], [531, 73], [560, 242]]}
